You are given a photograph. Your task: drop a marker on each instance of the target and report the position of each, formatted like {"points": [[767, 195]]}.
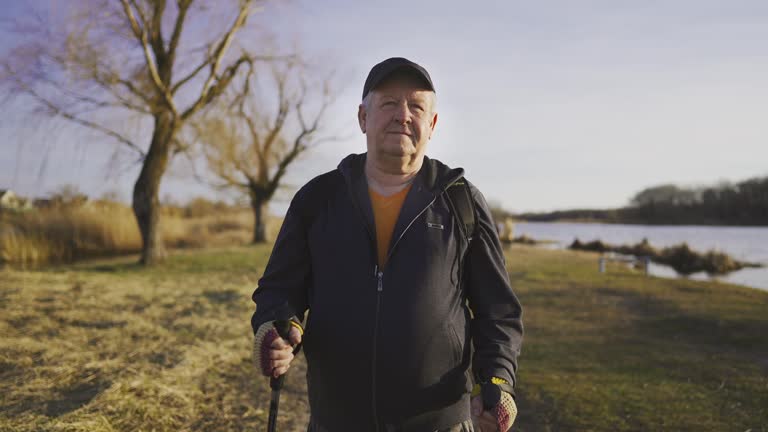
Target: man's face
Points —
{"points": [[398, 119]]}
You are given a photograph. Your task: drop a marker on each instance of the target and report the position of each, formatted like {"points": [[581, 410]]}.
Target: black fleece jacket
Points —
{"points": [[391, 347]]}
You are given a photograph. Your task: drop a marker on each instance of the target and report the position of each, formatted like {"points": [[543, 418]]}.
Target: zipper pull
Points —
{"points": [[381, 284]]}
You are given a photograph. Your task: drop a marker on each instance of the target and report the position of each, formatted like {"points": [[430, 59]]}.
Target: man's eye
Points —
{"points": [[388, 103]]}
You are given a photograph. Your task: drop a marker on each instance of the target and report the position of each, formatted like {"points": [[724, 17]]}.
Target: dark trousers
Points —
{"points": [[461, 427]]}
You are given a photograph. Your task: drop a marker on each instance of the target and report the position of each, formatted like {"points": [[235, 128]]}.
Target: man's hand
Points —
{"points": [[483, 421], [273, 354], [499, 419], [281, 352]]}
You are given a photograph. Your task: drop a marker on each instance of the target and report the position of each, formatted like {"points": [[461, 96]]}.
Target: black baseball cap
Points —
{"points": [[384, 69]]}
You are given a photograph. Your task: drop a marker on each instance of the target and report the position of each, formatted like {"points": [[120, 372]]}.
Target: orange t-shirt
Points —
{"points": [[386, 209]]}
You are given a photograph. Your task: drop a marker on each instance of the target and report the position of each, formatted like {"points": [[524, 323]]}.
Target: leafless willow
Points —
{"points": [[120, 57], [250, 138]]}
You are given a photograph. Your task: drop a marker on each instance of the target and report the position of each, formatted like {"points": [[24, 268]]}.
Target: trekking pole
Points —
{"points": [[283, 328]]}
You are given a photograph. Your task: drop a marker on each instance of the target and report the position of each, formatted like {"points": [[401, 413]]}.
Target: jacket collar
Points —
{"points": [[433, 178]]}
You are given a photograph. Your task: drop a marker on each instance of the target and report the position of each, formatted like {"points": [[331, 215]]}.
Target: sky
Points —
{"points": [[546, 105]]}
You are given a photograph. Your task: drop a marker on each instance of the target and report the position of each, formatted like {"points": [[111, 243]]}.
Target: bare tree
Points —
{"points": [[115, 58], [250, 139]]}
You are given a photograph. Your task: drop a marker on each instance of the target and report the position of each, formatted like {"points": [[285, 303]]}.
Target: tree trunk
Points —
{"points": [[259, 204], [146, 205]]}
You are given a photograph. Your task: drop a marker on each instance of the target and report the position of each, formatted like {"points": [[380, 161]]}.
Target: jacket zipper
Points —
{"points": [[379, 273], [379, 288], [392, 249]]}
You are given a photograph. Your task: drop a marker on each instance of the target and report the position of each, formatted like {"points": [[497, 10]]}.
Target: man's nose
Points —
{"points": [[402, 113]]}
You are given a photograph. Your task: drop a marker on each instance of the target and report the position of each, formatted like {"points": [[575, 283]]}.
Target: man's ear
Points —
{"points": [[432, 125], [361, 115]]}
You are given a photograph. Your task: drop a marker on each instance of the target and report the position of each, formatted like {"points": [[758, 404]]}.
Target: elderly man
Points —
{"points": [[403, 302]]}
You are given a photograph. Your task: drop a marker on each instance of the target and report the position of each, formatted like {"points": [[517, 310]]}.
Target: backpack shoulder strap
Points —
{"points": [[463, 206]]}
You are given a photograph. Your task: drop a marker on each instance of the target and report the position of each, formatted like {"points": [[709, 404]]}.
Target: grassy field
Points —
{"points": [[108, 346], [108, 229]]}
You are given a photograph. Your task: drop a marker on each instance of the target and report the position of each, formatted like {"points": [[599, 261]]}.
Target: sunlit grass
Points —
{"points": [[70, 234], [625, 352], [111, 346]]}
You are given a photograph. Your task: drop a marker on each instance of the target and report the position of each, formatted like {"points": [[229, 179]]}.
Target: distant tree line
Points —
{"points": [[743, 203], [575, 215]]}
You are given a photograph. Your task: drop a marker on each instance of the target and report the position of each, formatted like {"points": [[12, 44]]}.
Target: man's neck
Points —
{"points": [[386, 180]]}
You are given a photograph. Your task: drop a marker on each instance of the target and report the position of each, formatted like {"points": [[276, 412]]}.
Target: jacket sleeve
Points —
{"points": [[496, 328], [282, 289]]}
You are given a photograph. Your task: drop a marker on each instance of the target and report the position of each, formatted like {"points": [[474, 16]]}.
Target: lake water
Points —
{"points": [[743, 243]]}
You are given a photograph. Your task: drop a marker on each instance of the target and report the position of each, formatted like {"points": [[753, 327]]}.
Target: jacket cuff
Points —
{"points": [[502, 383], [501, 374]]}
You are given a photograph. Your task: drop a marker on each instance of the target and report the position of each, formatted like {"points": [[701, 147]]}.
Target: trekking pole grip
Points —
{"points": [[283, 328]]}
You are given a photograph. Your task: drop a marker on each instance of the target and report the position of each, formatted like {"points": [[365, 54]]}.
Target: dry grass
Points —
{"points": [[109, 346], [625, 352], [71, 234]]}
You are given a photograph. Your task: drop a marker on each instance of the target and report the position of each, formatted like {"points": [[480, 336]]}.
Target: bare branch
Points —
{"points": [[307, 131], [143, 38], [264, 148], [94, 102], [156, 41], [191, 75], [211, 89], [283, 107], [244, 95], [183, 6], [214, 91], [207, 62], [282, 166], [124, 101], [137, 30], [221, 49], [107, 80], [56, 110], [132, 88], [220, 149], [84, 60]]}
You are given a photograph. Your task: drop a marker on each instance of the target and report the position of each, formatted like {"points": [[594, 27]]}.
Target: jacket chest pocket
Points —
{"points": [[438, 228]]}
